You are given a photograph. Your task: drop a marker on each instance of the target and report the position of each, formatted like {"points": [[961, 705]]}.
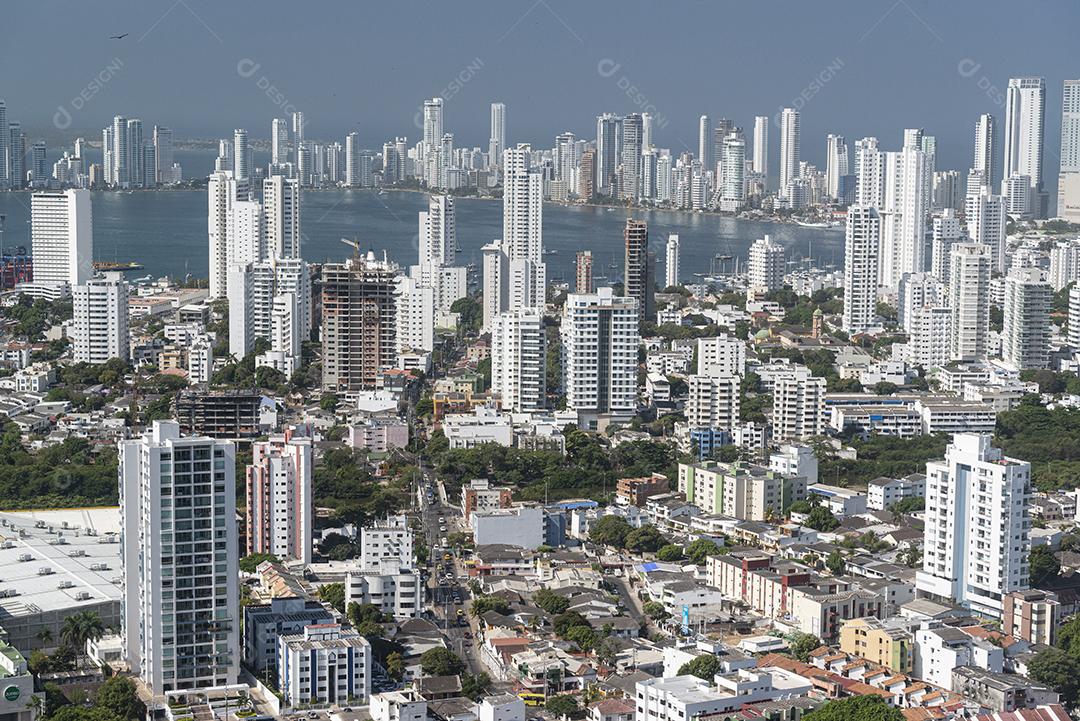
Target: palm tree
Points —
{"points": [[80, 628], [44, 636]]}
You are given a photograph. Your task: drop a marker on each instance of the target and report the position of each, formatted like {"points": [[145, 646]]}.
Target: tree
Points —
{"points": [[1068, 636], [565, 621], [441, 662], [1044, 565], [360, 614], [1058, 670], [855, 708], [670, 553], [835, 563], [119, 697], [483, 604], [655, 610], [699, 551], [610, 531], [250, 563], [821, 518], [79, 628], [562, 705], [607, 651], [704, 666], [550, 601], [646, 539], [800, 645], [583, 636], [395, 666], [333, 594], [328, 402], [475, 685], [82, 713]]}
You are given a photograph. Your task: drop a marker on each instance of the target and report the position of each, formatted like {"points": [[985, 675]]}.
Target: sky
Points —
{"points": [[853, 67]]}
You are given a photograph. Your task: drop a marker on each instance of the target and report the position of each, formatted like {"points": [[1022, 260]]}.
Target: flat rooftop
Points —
{"points": [[49, 565]]}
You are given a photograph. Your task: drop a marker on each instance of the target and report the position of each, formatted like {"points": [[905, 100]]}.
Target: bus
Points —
{"points": [[532, 699]]}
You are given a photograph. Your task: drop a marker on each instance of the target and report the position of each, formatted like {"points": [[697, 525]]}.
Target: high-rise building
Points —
{"points": [[179, 549], [433, 122], [705, 139], [1068, 204], [720, 356], [721, 129], [352, 160], [583, 272], [836, 164], [630, 157], [4, 143], [222, 192], [732, 180], [930, 339], [279, 496], [608, 145], [522, 240], [986, 147], [497, 139], [599, 357], [947, 191], [163, 156], [100, 320], [246, 233], [587, 174], [279, 142], [62, 238], [671, 265], [1025, 104], [798, 405], [438, 231], [1064, 264], [281, 208], [969, 297], [415, 315], [986, 219], [904, 215], [518, 359], [241, 156], [869, 174], [861, 243], [712, 402], [761, 147], [976, 537], [1025, 339], [1074, 316], [789, 149], [917, 290], [359, 317], [637, 283], [765, 265]]}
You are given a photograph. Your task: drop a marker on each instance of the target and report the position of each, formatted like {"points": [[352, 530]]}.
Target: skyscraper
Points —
{"points": [[861, 244], [986, 222], [969, 296], [1068, 205], [583, 272], [630, 158], [636, 282], [522, 241], [705, 140], [789, 149], [438, 231], [221, 194], [977, 520], [433, 122], [163, 156], [608, 144], [179, 549], [836, 164], [100, 320], [732, 180], [352, 160], [497, 141], [281, 207], [907, 195], [518, 359], [986, 147], [279, 142], [120, 175], [4, 143], [761, 147], [599, 357], [869, 174], [62, 238], [1025, 103], [1025, 338], [671, 266], [279, 500], [587, 175], [241, 156]]}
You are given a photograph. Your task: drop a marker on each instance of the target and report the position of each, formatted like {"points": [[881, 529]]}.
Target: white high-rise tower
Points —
{"points": [[62, 238], [671, 267], [861, 245], [986, 142], [497, 141], [761, 147], [241, 156], [1025, 104], [789, 148], [969, 297]]}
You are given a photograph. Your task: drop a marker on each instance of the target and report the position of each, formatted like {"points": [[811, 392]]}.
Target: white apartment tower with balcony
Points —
{"points": [[766, 264], [969, 298], [181, 597], [518, 356], [100, 320], [1025, 338], [62, 239], [861, 242], [976, 537]]}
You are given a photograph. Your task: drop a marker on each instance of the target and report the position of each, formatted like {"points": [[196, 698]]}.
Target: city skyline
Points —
{"points": [[950, 75]]}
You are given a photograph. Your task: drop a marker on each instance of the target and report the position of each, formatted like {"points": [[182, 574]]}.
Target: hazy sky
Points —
{"points": [[856, 67]]}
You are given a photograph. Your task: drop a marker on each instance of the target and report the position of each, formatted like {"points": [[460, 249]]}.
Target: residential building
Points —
{"points": [[62, 239], [177, 638], [279, 496], [100, 315], [739, 490], [638, 271], [862, 240], [516, 526], [1025, 340], [480, 495], [969, 297], [518, 359], [766, 265], [1033, 616], [882, 493], [265, 623], [798, 405], [324, 664], [886, 645], [977, 525]]}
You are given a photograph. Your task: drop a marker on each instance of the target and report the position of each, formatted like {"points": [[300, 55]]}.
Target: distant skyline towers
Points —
{"points": [[969, 297], [279, 141], [437, 230], [433, 122], [241, 155], [985, 162], [497, 139], [761, 147], [1068, 201], [789, 149], [705, 139], [836, 164], [608, 142], [1025, 105]]}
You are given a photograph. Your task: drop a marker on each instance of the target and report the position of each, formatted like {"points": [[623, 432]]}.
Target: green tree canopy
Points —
{"points": [[855, 708], [441, 662], [610, 531], [704, 666]]}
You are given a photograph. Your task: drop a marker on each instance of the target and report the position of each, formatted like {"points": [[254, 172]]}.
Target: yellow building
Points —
{"points": [[872, 640]]}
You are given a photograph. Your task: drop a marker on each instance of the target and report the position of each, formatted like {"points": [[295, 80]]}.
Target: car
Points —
{"points": [[460, 612], [468, 634], [312, 714]]}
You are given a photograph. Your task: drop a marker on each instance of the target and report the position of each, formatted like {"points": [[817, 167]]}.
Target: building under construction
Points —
{"points": [[359, 322]]}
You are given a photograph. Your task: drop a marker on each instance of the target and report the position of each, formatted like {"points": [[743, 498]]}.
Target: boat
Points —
{"points": [[808, 224], [551, 252], [108, 265]]}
